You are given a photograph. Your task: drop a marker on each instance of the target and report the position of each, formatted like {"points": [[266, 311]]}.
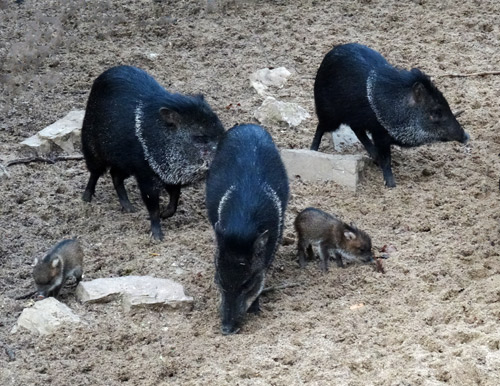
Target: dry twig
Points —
{"points": [[47, 160], [455, 75], [25, 296], [280, 287]]}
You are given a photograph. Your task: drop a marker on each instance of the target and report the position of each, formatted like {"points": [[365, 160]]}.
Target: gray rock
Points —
{"points": [[62, 136], [344, 140], [45, 317], [273, 111], [313, 166], [134, 292], [264, 78]]}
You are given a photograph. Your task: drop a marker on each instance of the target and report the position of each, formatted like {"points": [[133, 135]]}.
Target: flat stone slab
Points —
{"points": [[313, 166], [45, 317], [62, 136], [273, 111], [134, 292], [262, 79]]}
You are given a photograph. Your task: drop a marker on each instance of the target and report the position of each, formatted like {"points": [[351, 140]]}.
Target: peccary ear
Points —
{"points": [[56, 262], [201, 97], [261, 241], [35, 262], [259, 246], [171, 117], [349, 235], [418, 93]]}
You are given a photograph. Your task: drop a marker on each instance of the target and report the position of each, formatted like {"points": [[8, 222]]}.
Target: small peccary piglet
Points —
{"points": [[356, 86], [322, 231], [63, 262], [134, 127]]}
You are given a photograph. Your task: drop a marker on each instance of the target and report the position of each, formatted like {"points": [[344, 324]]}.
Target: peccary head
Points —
{"points": [[411, 108], [180, 145], [48, 274], [355, 244], [240, 275]]}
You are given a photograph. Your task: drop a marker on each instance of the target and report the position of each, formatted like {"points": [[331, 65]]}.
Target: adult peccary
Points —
{"points": [[322, 231], [246, 197], [356, 86], [133, 126], [63, 262]]}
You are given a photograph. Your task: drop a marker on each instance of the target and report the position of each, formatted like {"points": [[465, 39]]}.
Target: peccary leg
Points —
{"points": [[151, 198], [324, 256], [384, 161], [90, 189], [317, 138], [370, 148], [174, 192], [74, 277], [78, 274], [301, 254], [55, 291], [338, 259], [118, 179], [310, 252], [254, 307]]}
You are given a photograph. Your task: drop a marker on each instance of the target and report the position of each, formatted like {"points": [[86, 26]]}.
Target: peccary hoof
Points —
{"points": [[390, 183], [87, 196], [157, 234], [168, 212], [229, 330], [128, 208]]}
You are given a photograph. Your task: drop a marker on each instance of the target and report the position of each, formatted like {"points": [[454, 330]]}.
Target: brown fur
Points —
{"points": [[64, 261], [316, 228]]}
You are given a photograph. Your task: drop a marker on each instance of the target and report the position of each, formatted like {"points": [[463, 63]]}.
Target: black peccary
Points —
{"points": [[356, 86], [325, 232], [63, 262], [246, 197], [133, 126]]}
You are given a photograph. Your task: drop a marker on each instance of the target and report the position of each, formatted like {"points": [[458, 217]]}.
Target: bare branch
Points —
{"points": [[47, 160], [279, 287], [26, 296], [456, 75]]}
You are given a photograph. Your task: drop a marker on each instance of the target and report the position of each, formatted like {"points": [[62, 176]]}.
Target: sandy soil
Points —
{"points": [[431, 319]]}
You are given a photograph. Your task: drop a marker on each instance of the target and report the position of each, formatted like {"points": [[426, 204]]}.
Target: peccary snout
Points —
{"points": [[465, 138]]}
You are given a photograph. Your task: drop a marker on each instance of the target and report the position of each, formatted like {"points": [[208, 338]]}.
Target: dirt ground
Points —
{"points": [[432, 318]]}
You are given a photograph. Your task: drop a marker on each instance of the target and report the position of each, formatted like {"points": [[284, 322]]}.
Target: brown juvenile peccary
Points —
{"points": [[324, 232], [63, 262]]}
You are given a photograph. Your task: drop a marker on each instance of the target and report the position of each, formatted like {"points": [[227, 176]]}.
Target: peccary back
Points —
{"points": [[63, 261], [356, 86], [246, 196], [133, 126]]}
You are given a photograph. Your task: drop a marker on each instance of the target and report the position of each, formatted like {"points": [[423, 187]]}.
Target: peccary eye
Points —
{"points": [[247, 285], [201, 139], [436, 115]]}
